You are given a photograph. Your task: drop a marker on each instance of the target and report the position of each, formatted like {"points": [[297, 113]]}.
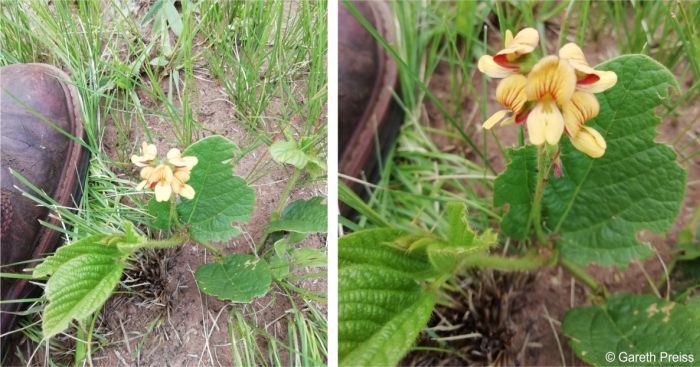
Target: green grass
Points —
{"points": [[270, 59]]}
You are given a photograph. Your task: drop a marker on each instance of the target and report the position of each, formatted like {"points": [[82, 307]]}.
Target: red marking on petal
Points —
{"points": [[502, 61], [519, 119], [153, 185], [589, 79]]}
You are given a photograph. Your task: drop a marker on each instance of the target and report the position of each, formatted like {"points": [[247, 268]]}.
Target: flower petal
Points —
{"points": [[149, 150], [163, 191], [139, 161], [545, 123], [141, 185], [182, 175], [174, 153], [509, 38], [494, 119], [511, 93], [580, 108], [146, 172], [187, 192], [491, 68], [185, 163], [573, 54], [590, 142], [551, 78], [606, 80], [524, 42]]}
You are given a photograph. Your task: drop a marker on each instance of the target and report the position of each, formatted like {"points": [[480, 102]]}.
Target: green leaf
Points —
{"points": [[221, 198], [634, 324], [238, 278], [88, 245], [288, 152], [302, 216], [380, 314], [174, 18], [160, 210], [599, 205], [445, 258], [78, 288], [382, 307], [516, 187], [115, 246], [459, 234], [369, 247]]}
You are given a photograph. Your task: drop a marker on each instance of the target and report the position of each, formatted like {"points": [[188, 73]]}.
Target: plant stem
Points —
{"points": [[580, 273], [89, 338], [80, 345], [173, 212], [171, 242], [211, 248], [536, 211], [283, 200], [528, 262], [285, 195]]}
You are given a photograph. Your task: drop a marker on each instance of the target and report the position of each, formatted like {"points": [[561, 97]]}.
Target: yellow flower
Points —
{"points": [[183, 166], [506, 61], [168, 177], [550, 84], [148, 151], [179, 185], [159, 179], [176, 159], [581, 108], [587, 79], [589, 141], [510, 93]]}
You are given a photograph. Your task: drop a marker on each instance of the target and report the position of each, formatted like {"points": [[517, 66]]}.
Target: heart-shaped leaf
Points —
{"points": [[220, 197], [238, 278], [599, 205]]}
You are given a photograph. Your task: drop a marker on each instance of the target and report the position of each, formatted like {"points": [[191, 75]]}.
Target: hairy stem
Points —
{"points": [[582, 275], [211, 248], [536, 211], [531, 261]]}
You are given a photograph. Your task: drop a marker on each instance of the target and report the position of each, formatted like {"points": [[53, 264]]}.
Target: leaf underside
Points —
{"points": [[600, 205], [634, 324], [221, 198]]}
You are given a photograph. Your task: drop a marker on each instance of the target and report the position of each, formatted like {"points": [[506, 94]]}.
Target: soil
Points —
{"points": [[534, 336]]}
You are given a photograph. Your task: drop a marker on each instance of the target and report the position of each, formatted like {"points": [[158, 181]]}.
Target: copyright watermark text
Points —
{"points": [[649, 357]]}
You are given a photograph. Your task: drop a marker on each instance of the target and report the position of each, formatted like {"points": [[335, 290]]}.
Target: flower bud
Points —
{"points": [[589, 141]]}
